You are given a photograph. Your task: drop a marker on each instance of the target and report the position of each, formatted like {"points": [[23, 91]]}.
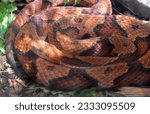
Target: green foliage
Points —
{"points": [[87, 92], [66, 1], [75, 1], [6, 18]]}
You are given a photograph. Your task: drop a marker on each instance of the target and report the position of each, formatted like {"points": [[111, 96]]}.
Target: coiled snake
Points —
{"points": [[69, 48]]}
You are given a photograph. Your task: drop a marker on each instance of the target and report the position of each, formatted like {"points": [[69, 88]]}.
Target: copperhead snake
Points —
{"points": [[71, 48]]}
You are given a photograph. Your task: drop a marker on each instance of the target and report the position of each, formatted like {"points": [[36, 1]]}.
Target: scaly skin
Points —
{"points": [[77, 47]]}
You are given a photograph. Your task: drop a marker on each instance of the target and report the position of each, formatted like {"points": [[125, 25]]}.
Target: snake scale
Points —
{"points": [[66, 47]]}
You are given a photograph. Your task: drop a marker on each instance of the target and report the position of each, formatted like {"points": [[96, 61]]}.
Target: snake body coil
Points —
{"points": [[77, 47]]}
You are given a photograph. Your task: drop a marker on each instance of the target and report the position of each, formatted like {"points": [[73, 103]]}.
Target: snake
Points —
{"points": [[71, 47]]}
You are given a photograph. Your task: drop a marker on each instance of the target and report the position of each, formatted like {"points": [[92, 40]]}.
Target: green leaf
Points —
{"points": [[12, 1], [5, 1], [77, 2], [2, 47], [71, 93], [66, 1], [87, 92], [39, 87], [55, 92], [6, 17]]}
